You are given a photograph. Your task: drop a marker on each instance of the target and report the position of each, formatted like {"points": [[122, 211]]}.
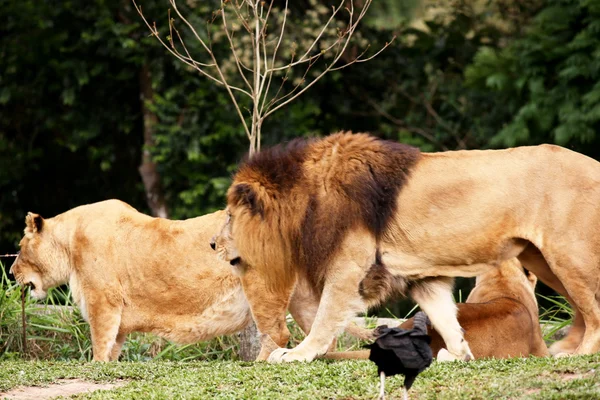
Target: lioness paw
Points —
{"points": [[289, 355], [563, 347], [445, 355], [562, 355]]}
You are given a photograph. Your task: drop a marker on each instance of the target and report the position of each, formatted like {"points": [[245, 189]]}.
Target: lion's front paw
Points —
{"points": [[289, 355]]}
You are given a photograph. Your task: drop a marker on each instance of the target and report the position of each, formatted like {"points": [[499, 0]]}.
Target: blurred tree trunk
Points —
{"points": [[148, 171], [249, 343]]}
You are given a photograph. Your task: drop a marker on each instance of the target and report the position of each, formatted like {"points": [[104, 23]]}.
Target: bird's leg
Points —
{"points": [[382, 386]]}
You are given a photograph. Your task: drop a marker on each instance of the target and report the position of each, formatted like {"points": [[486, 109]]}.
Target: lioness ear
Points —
{"points": [[34, 223], [243, 195], [531, 278]]}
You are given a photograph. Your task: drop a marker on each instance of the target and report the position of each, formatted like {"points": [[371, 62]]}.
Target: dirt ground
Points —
{"points": [[63, 387]]}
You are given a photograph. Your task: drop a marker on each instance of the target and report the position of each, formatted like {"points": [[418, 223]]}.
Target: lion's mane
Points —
{"points": [[294, 203]]}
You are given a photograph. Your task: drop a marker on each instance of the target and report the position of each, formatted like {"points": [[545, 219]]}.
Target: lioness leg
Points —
{"points": [[268, 305], [534, 261], [304, 305], [104, 325], [340, 301], [574, 337], [582, 290], [115, 352], [303, 308], [434, 296]]}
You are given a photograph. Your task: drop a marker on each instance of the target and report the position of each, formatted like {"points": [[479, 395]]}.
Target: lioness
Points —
{"points": [[129, 272], [500, 316], [350, 208]]}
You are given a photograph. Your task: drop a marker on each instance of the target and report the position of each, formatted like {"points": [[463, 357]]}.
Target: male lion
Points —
{"points": [[360, 218], [500, 316], [129, 272]]}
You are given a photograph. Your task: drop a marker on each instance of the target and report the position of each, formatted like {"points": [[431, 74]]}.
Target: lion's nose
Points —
{"points": [[213, 245]]}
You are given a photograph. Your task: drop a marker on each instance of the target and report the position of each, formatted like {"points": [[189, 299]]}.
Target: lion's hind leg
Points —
{"points": [[434, 296]]}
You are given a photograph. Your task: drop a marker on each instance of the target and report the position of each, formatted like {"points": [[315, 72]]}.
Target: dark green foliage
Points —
{"points": [[68, 107], [549, 80], [415, 91], [71, 115]]}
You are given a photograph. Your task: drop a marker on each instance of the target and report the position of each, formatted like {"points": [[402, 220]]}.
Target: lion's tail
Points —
{"points": [[347, 355], [359, 332]]}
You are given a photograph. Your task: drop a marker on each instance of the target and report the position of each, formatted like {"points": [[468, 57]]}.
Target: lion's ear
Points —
{"points": [[34, 223], [244, 195]]}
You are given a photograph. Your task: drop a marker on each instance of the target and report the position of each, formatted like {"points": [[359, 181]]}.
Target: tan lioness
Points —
{"points": [[360, 218], [500, 316], [129, 272]]}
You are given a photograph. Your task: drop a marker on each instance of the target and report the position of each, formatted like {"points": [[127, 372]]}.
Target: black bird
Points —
{"points": [[402, 351]]}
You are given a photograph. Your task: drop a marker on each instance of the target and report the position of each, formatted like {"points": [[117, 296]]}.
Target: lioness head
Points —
{"points": [[509, 279], [224, 245], [40, 264]]}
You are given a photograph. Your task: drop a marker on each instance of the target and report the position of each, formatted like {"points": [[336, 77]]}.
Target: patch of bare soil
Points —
{"points": [[63, 387], [567, 376], [532, 391]]}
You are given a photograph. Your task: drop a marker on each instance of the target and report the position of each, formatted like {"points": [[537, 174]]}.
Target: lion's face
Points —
{"points": [[39, 265], [224, 244]]}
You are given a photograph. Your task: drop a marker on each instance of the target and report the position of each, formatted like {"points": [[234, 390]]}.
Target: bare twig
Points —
{"points": [[402, 124], [240, 17], [304, 58], [443, 124], [432, 113], [255, 129], [274, 56], [221, 80], [254, 16], [352, 24], [275, 98], [358, 59], [23, 319], [216, 66], [296, 87], [238, 62]]}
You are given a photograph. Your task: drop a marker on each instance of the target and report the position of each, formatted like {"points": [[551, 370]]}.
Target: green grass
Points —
{"points": [[559, 315], [541, 378]]}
